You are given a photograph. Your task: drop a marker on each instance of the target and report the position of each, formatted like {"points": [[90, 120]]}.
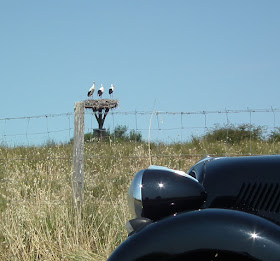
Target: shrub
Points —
{"points": [[119, 134], [231, 134], [274, 136], [135, 136]]}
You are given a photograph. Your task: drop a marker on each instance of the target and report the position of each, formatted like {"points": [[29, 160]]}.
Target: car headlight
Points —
{"points": [[158, 192]]}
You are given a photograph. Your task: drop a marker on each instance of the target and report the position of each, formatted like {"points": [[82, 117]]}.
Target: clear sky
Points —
{"points": [[181, 55]]}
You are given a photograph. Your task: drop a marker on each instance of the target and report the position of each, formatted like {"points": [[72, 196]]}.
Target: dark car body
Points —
{"points": [[221, 209]]}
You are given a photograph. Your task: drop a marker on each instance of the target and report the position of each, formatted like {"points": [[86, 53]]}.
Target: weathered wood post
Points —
{"points": [[78, 155], [78, 147]]}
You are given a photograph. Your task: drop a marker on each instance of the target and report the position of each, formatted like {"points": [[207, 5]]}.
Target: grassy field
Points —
{"points": [[38, 221]]}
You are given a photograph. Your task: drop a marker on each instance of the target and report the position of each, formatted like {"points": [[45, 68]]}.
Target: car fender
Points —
{"points": [[226, 230]]}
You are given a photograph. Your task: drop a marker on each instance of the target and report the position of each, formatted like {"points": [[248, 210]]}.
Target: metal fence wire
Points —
{"points": [[157, 126]]}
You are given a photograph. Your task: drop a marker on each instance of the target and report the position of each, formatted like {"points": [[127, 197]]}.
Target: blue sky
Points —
{"points": [[182, 55]]}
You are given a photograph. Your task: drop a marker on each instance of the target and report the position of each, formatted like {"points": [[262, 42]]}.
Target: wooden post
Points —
{"points": [[78, 155], [78, 146]]}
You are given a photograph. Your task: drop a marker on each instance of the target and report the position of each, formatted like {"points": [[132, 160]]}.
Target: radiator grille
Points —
{"points": [[259, 197]]}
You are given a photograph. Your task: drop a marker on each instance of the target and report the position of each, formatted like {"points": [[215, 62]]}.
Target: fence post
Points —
{"points": [[78, 155]]}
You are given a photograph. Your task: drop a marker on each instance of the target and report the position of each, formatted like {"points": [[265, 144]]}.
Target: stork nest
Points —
{"points": [[101, 104]]}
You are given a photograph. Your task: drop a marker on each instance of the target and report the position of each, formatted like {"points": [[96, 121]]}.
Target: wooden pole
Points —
{"points": [[78, 146], [78, 155]]}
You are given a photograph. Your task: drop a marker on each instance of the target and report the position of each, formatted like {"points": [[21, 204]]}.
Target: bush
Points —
{"points": [[231, 134], [119, 134], [135, 136], [274, 136]]}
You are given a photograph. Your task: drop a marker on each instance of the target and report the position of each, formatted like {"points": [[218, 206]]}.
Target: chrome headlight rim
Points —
{"points": [[135, 194]]}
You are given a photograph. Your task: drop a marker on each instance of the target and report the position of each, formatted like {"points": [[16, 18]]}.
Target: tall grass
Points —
{"points": [[38, 221]]}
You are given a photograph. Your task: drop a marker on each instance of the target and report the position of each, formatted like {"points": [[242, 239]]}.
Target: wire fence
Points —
{"points": [[155, 126], [42, 131], [168, 127], [36, 130]]}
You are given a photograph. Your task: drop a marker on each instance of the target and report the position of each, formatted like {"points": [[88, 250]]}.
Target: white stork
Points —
{"points": [[111, 89], [91, 90], [100, 91]]}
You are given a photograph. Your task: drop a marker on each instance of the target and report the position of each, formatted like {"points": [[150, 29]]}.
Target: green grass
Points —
{"points": [[38, 221]]}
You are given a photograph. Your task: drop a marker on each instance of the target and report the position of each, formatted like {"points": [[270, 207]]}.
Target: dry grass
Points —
{"points": [[38, 221]]}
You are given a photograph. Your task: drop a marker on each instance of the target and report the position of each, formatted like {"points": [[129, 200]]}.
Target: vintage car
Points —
{"points": [[225, 208]]}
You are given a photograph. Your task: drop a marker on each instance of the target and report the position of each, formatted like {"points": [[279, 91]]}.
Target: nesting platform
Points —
{"points": [[101, 104]]}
